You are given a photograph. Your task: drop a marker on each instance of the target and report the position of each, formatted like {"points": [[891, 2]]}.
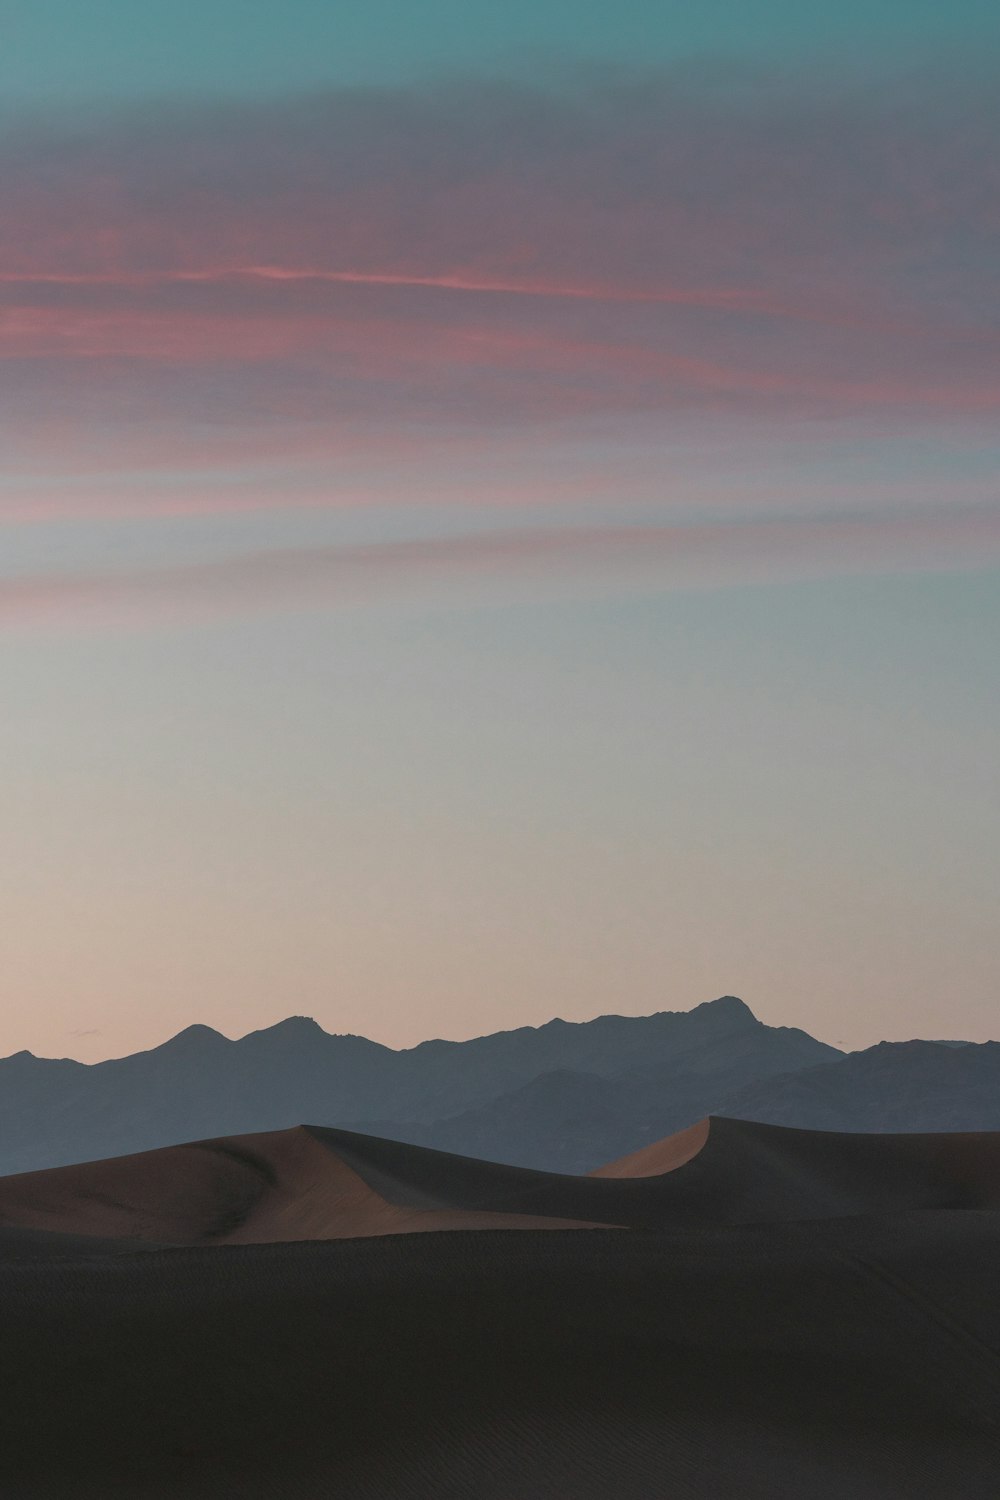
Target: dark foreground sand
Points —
{"points": [[780, 1314]]}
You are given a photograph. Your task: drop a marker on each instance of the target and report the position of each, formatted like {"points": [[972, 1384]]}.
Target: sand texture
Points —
{"points": [[739, 1311]]}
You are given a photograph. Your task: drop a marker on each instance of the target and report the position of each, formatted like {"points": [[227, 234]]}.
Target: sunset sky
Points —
{"points": [[499, 515]]}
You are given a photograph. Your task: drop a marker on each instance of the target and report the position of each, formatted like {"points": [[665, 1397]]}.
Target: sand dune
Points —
{"points": [[795, 1316], [256, 1189], [743, 1172], [311, 1183]]}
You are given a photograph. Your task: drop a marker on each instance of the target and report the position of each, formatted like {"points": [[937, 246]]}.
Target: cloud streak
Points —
{"points": [[615, 556], [623, 184], [724, 298], [373, 295], [787, 237]]}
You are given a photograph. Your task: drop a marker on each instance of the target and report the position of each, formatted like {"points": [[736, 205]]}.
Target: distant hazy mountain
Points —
{"points": [[563, 1094], [567, 1120], [896, 1086], [562, 1121]]}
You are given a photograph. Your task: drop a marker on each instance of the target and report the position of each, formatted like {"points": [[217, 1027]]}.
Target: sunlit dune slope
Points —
{"points": [[256, 1189], [662, 1156]]}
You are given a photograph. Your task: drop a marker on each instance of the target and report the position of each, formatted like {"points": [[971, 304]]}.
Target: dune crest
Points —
{"points": [[257, 1189], [661, 1156]]}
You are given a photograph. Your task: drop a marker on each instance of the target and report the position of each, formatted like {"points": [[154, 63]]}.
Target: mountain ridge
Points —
{"points": [[200, 1084], [563, 1096], [723, 1004]]}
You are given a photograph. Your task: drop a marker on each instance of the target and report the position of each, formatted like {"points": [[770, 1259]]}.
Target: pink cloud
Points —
{"points": [[635, 244], [363, 298], [653, 556], [630, 188], [561, 368], [748, 300]]}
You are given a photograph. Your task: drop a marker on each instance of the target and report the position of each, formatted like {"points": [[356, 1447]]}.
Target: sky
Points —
{"points": [[499, 516]]}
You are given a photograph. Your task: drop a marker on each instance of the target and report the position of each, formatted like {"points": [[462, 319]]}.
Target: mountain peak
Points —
{"points": [[293, 1030], [728, 1006], [193, 1036], [295, 1026]]}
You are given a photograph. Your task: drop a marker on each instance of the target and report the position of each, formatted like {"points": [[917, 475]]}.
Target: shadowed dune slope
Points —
{"points": [[742, 1172]]}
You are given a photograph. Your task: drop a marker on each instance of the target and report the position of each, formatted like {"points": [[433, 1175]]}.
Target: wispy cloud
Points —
{"points": [[740, 299], [657, 556], [640, 186], [490, 295], [631, 245]]}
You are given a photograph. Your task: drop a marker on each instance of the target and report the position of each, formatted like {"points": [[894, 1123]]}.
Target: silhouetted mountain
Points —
{"points": [[570, 1121], [559, 1122], [908, 1086], [561, 1097], [657, 1072]]}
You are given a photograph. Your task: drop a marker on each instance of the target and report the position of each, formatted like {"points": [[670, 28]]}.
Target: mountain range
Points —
{"points": [[564, 1096]]}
